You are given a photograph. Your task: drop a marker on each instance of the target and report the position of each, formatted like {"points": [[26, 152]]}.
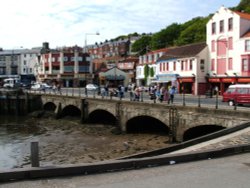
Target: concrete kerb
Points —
{"points": [[112, 166]]}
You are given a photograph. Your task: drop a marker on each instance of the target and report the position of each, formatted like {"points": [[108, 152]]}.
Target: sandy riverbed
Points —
{"points": [[66, 141]]}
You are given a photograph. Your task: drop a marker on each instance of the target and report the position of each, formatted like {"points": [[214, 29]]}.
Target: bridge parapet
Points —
{"points": [[188, 117]]}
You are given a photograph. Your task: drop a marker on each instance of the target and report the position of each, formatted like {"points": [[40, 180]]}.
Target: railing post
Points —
{"points": [[34, 158], [199, 100], [216, 101]]}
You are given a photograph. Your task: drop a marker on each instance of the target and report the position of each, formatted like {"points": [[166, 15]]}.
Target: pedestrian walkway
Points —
{"points": [[237, 138]]}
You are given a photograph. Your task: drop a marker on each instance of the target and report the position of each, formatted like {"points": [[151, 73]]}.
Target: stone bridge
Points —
{"points": [[179, 121]]}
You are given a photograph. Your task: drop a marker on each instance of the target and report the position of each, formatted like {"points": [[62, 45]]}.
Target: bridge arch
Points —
{"points": [[146, 124], [71, 110], [49, 106], [102, 116], [201, 130]]}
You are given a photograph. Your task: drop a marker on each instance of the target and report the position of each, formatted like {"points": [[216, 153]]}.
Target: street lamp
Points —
{"points": [[86, 51], [86, 35]]}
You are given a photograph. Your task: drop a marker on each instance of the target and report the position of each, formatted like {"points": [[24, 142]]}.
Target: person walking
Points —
{"points": [[166, 95], [171, 93]]}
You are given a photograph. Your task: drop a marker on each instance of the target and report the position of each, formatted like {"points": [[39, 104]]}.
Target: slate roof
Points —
{"points": [[183, 51]]}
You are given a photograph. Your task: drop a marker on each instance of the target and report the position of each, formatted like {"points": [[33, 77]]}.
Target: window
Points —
{"points": [[230, 64], [182, 65], [221, 26], [212, 64], [213, 28], [174, 66], [230, 43], [191, 65], [65, 58], [160, 67], [167, 67], [242, 90], [247, 45], [230, 24], [202, 65], [213, 46], [244, 65]]}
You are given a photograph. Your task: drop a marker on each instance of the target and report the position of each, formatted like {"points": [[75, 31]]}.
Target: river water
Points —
{"points": [[66, 141]]}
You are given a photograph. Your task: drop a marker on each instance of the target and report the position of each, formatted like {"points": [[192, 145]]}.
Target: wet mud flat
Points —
{"points": [[66, 141]]}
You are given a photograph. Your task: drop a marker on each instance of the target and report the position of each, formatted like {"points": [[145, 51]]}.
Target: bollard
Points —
{"points": [[34, 151]]}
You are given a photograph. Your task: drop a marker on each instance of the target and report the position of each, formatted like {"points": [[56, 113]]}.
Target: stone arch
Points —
{"points": [[49, 106], [91, 109], [201, 130], [146, 124], [70, 110], [101, 116]]}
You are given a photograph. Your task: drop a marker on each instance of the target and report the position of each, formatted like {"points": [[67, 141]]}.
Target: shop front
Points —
{"points": [[221, 84], [166, 80], [186, 85]]}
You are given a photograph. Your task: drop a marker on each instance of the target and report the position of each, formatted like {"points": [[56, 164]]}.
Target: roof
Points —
{"points": [[243, 15], [183, 51], [247, 34]]}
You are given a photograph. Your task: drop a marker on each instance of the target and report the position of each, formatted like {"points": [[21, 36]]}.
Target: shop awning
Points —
{"points": [[115, 77]]}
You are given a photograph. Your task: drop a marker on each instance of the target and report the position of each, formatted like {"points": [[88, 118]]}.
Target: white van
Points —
{"points": [[11, 82]]}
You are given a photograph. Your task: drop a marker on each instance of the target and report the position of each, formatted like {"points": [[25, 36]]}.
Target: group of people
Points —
{"points": [[156, 92], [163, 93]]}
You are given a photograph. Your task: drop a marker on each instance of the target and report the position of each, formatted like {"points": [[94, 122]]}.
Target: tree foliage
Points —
{"points": [[176, 34], [244, 6], [165, 37], [193, 31], [142, 45], [146, 71], [151, 72]]}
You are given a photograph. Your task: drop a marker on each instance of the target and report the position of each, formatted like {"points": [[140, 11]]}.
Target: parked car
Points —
{"points": [[237, 94], [40, 86], [92, 87]]}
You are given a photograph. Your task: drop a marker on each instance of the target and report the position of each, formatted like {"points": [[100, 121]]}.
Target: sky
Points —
{"points": [[29, 23]]}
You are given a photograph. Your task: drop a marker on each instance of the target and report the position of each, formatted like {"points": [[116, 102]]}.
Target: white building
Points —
{"points": [[149, 59], [29, 61], [228, 40], [184, 67]]}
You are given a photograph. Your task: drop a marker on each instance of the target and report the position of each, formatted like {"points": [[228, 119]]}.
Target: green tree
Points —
{"points": [[195, 31], [151, 72], [141, 45], [146, 72], [165, 37], [244, 5]]}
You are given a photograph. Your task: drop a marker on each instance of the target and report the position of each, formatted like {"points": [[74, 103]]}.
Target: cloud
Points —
{"points": [[28, 23]]}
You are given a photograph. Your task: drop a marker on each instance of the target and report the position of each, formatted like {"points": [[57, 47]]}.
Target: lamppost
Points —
{"points": [[86, 51]]}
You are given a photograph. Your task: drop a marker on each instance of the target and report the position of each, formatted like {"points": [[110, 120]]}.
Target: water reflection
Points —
{"points": [[12, 139]]}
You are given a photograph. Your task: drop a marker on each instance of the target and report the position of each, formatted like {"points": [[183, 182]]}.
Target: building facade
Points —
{"points": [[69, 66], [228, 40], [184, 67], [149, 59]]}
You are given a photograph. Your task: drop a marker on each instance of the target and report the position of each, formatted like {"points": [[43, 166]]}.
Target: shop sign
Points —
{"points": [[214, 80], [245, 80]]}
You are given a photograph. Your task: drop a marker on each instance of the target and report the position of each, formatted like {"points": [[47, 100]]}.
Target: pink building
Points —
{"points": [[228, 40]]}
